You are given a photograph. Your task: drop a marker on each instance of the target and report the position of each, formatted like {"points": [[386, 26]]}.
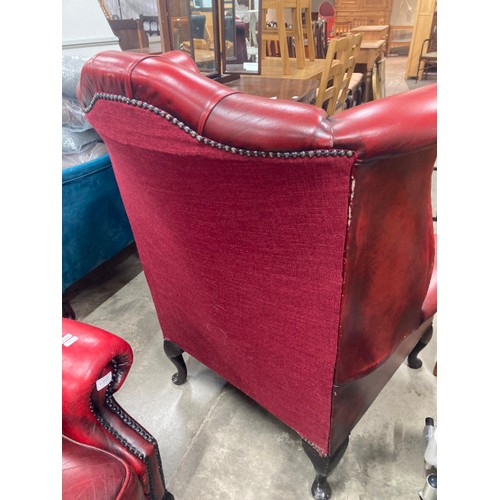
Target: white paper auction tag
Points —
{"points": [[69, 339], [104, 381]]}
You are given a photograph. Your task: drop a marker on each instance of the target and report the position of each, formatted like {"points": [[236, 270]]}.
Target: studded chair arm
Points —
{"points": [[95, 363], [396, 125]]}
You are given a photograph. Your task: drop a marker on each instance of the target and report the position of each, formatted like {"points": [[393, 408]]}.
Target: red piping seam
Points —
{"points": [[211, 104]]}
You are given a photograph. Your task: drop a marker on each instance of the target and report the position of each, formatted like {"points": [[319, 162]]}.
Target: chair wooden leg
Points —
{"points": [[323, 465], [413, 360], [283, 41], [300, 52], [310, 36], [67, 310], [174, 353]]}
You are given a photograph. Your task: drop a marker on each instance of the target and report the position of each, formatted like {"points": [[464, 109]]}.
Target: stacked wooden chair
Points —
{"points": [[279, 37], [337, 88]]}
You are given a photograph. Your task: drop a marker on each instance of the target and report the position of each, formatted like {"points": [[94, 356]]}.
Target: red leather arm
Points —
{"points": [[95, 364], [89, 354], [398, 124]]}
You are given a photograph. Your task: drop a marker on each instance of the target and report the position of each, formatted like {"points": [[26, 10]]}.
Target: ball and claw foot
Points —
{"points": [[414, 361], [179, 378], [320, 489], [174, 353], [323, 465]]}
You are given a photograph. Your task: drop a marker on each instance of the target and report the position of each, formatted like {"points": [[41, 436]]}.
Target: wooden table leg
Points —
{"points": [[368, 84]]}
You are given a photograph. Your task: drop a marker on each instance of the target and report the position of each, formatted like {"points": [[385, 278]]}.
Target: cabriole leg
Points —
{"points": [[413, 360], [67, 310], [174, 353], [323, 465]]}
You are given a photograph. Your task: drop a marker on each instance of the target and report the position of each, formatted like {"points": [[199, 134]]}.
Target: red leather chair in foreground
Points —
{"points": [[289, 251], [106, 454]]}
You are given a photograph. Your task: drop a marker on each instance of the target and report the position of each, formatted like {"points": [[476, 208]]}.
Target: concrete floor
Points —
{"points": [[215, 442]]}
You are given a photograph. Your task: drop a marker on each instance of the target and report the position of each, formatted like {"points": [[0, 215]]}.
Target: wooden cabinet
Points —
{"points": [[361, 12], [425, 20]]}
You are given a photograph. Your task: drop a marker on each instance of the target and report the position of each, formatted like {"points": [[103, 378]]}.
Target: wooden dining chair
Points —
{"points": [[342, 27], [332, 78], [282, 32], [305, 12], [362, 21], [349, 84], [428, 56]]}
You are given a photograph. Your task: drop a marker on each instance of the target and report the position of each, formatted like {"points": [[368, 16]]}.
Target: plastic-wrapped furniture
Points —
{"points": [[106, 454], [95, 226], [289, 251]]}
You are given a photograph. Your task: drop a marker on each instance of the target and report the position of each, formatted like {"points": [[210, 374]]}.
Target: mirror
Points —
{"points": [[192, 27], [241, 37], [222, 36]]}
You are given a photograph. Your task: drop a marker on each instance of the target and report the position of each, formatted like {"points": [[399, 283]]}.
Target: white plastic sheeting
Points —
{"points": [[131, 9]]}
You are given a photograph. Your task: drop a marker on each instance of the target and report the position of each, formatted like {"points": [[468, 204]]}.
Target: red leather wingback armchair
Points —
{"points": [[106, 454], [289, 251]]}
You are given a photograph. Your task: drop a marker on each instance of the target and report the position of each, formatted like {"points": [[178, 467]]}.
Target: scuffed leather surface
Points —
{"points": [[399, 124], [83, 363], [389, 260], [89, 473]]}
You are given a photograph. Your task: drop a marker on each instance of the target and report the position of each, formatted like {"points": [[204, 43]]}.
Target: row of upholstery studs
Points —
{"points": [[209, 142]]}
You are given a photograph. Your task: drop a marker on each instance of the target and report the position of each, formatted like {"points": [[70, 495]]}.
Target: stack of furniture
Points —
{"points": [[95, 226], [261, 241]]}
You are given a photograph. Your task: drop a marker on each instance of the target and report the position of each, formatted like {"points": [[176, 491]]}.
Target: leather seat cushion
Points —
{"points": [[89, 473]]}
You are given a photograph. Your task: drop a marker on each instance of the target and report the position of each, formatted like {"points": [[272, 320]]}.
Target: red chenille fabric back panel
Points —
{"points": [[243, 257]]}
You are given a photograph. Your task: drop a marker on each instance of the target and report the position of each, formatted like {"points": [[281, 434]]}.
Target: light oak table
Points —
{"points": [[370, 52], [276, 88], [373, 32], [272, 67]]}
